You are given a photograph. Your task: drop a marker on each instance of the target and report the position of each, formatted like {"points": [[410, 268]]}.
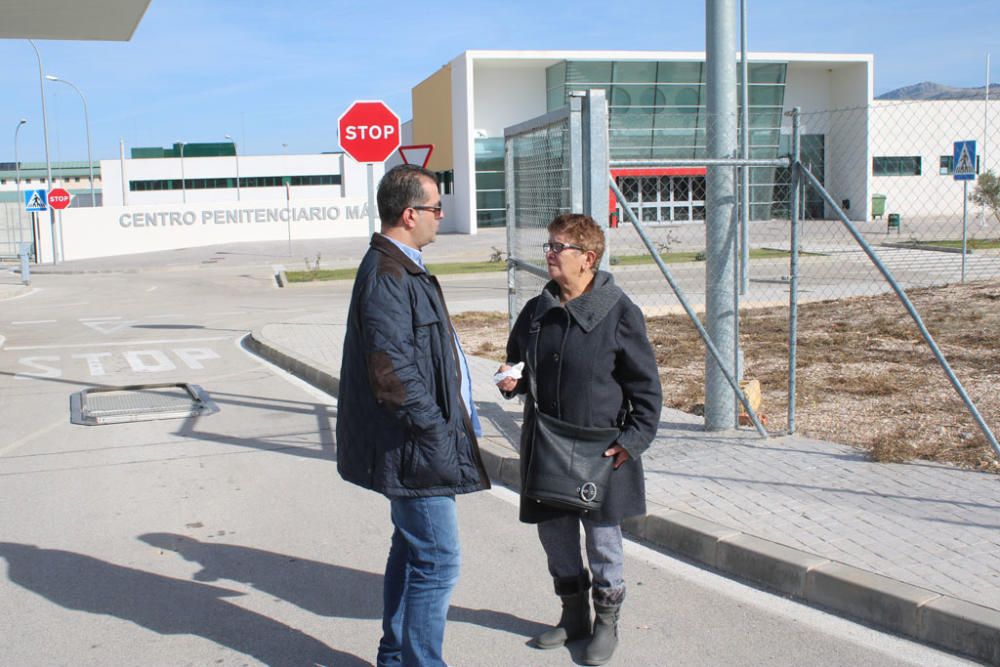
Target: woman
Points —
{"points": [[595, 367]]}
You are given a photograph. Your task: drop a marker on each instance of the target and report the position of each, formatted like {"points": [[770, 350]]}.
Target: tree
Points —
{"points": [[987, 193]]}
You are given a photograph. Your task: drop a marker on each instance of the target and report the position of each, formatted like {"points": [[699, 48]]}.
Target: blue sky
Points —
{"points": [[281, 73]]}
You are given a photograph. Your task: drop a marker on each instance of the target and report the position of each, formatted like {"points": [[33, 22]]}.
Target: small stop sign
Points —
{"points": [[59, 198], [369, 131]]}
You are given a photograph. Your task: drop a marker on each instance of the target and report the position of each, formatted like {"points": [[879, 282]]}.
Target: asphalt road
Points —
{"points": [[228, 539]]}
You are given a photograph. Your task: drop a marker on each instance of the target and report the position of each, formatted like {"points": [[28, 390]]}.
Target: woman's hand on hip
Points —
{"points": [[617, 451]]}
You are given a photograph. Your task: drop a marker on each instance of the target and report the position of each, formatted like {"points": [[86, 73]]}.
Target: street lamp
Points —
{"points": [[48, 163], [236, 153], [17, 178], [183, 185], [86, 121]]}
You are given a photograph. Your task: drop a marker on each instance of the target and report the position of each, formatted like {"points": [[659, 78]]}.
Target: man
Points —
{"points": [[405, 416]]}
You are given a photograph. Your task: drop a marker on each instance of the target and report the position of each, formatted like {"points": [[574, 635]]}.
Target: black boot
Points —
{"points": [[575, 620], [605, 640]]}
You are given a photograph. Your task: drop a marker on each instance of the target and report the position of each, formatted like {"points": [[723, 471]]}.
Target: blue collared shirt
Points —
{"points": [[418, 258]]}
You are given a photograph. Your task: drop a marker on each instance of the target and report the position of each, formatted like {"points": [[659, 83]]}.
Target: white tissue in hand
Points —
{"points": [[513, 372]]}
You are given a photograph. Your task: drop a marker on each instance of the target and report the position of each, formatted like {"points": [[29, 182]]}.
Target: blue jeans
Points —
{"points": [[419, 576]]}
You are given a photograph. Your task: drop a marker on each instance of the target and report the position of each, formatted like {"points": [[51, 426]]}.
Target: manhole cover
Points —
{"points": [[117, 405]]}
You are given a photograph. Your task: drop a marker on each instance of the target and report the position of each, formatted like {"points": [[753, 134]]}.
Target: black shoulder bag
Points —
{"points": [[567, 468]]}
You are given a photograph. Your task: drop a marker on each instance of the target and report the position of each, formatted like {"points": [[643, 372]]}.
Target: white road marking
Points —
{"points": [[31, 436], [107, 325], [34, 322], [164, 341], [140, 361], [99, 319], [2, 339], [150, 289]]}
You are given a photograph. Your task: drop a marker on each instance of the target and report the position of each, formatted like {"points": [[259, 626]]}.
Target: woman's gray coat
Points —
{"points": [[595, 368]]}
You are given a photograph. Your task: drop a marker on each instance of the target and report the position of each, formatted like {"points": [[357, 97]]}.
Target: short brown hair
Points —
{"points": [[582, 230]]}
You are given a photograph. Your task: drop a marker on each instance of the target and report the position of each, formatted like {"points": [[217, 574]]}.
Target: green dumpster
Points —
{"points": [[878, 206], [893, 221]]}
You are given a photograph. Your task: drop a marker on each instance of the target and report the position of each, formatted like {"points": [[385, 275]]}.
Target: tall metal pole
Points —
{"points": [[121, 155], [744, 152], [17, 179], [986, 134], [720, 219], [371, 199], [236, 153], [48, 163], [965, 224], [86, 121], [184, 196]]}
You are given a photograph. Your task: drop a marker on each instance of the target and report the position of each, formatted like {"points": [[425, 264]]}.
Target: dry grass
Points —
{"points": [[865, 377]]}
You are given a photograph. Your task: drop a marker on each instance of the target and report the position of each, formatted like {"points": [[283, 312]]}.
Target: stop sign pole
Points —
{"points": [[369, 133]]}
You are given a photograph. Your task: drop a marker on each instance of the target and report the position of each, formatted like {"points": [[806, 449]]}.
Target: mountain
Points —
{"points": [[936, 91]]}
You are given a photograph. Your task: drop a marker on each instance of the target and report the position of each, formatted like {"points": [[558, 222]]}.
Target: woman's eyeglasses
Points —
{"points": [[556, 247]]}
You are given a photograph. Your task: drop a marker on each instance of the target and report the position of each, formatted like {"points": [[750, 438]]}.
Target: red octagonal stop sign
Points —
{"points": [[369, 131], [59, 198]]}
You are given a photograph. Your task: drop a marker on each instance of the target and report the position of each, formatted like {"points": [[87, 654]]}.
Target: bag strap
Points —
{"points": [[531, 359]]}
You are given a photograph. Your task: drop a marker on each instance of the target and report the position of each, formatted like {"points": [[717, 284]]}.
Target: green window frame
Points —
{"points": [[896, 165]]}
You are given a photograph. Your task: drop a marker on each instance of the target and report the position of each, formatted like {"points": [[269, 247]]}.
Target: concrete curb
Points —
{"points": [[287, 360], [873, 599]]}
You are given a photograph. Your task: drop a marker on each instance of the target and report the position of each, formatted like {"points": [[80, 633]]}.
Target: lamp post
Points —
{"points": [[86, 121], [236, 153], [183, 184], [48, 163], [17, 179]]}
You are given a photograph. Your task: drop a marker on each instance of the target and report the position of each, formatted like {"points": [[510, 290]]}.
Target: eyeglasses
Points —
{"points": [[436, 210], [556, 247]]}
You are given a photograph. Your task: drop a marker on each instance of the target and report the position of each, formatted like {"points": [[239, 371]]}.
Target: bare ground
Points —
{"points": [[865, 377]]}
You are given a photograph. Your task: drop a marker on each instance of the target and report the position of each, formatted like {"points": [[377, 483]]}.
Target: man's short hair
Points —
{"points": [[581, 230], [400, 188]]}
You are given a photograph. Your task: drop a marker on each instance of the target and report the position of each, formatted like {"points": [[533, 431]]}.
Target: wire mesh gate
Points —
{"points": [[15, 230], [545, 174]]}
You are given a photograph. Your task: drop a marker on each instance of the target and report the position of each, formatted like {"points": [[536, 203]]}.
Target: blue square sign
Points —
{"points": [[36, 200], [963, 162]]}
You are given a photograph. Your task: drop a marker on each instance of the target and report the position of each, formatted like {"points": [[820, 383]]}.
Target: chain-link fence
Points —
{"points": [[887, 166], [541, 182], [15, 229]]}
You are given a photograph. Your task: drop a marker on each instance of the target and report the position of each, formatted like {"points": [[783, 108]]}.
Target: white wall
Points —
{"points": [[834, 97], [929, 129], [463, 219], [507, 94], [353, 178], [124, 230]]}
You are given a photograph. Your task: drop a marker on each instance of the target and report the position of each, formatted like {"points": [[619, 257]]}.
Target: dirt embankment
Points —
{"points": [[864, 376]]}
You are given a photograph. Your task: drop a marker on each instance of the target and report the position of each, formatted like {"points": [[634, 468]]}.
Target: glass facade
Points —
{"points": [[657, 110], [490, 208], [224, 183]]}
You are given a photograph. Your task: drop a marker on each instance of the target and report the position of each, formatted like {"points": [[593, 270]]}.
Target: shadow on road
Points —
{"points": [[164, 605], [321, 588]]}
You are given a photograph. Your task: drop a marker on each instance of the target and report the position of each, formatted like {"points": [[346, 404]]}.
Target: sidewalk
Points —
{"points": [[912, 548]]}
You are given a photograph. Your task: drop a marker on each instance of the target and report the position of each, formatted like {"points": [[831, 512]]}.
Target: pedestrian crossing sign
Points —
{"points": [[964, 161], [36, 200]]}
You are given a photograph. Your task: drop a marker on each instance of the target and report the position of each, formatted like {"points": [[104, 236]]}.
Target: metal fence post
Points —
{"points": [[25, 267], [793, 266], [576, 151], [595, 172], [509, 201]]}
